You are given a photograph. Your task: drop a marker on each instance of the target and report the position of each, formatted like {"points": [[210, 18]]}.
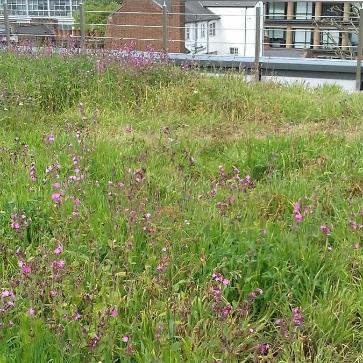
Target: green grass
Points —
{"points": [[164, 133]]}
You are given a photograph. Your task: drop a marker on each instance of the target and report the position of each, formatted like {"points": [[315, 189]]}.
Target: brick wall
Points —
{"points": [[143, 37]]}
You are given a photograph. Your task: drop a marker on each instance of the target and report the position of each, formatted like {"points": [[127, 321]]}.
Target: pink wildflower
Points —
{"points": [[31, 312], [298, 218], [297, 317], [58, 250], [7, 293], [15, 226], [50, 139], [225, 282], [325, 229], [297, 208], [113, 312], [125, 339], [56, 186], [25, 268], [58, 265], [57, 198]]}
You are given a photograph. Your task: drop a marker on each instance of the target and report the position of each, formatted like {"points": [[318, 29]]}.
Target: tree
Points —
{"points": [[345, 26], [97, 13]]}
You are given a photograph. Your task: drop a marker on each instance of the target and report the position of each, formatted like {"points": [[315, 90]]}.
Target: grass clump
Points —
{"points": [[153, 214]]}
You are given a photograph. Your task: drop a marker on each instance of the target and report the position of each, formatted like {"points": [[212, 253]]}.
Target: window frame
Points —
{"points": [[212, 29]]}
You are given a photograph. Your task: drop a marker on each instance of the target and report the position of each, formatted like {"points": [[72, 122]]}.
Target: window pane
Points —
{"points": [[304, 10]]}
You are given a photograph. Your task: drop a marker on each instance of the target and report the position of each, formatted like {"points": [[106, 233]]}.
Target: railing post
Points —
{"points": [[165, 27], [82, 20], [258, 44], [7, 24], [360, 53]]}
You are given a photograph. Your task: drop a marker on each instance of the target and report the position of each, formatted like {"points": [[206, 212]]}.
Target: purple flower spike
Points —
{"points": [[262, 349], [297, 317], [325, 229]]}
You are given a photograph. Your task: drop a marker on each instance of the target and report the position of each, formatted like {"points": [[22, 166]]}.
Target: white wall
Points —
{"points": [[234, 29], [196, 43]]}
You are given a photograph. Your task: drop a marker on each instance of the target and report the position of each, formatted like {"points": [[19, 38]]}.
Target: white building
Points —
{"points": [[221, 27]]}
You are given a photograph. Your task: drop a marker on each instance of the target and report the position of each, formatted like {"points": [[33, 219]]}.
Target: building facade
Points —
{"points": [[140, 23], [58, 11], [194, 26], [317, 25], [221, 27]]}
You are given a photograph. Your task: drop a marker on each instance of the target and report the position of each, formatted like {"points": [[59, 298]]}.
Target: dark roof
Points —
{"points": [[228, 4], [195, 11], [32, 29]]}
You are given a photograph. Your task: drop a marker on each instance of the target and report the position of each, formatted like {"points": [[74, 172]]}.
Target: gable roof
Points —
{"points": [[32, 29], [198, 10], [228, 3], [195, 11]]}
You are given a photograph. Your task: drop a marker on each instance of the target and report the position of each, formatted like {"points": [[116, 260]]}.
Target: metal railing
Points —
{"points": [[236, 33]]}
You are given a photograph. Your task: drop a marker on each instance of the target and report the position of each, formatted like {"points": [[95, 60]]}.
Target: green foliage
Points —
{"points": [[97, 13], [164, 133]]}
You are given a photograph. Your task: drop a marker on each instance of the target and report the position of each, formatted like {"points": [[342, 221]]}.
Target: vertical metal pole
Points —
{"points": [[258, 44], [7, 24], [195, 37], [360, 53], [83, 26], [165, 27]]}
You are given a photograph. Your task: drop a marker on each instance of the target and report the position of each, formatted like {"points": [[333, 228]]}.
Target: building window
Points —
{"points": [[330, 38], [233, 51], [202, 31], [304, 10], [42, 8], [212, 29], [277, 38], [187, 33], [334, 10], [302, 38], [16, 7], [277, 10], [354, 39]]}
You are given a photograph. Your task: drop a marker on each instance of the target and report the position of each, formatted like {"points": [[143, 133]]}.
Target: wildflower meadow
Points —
{"points": [[152, 213]]}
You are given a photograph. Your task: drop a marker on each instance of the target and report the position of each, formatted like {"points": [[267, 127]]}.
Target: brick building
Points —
{"points": [[141, 22]]}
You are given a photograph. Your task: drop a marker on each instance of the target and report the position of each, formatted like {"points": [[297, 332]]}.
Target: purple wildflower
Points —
{"points": [[297, 317], [325, 229], [93, 342], [297, 208], [298, 218], [113, 312], [56, 186], [282, 328], [31, 312], [58, 265], [58, 250], [125, 339], [7, 293], [57, 198], [25, 268], [225, 282], [50, 139], [32, 172], [15, 226], [262, 349]]}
